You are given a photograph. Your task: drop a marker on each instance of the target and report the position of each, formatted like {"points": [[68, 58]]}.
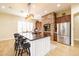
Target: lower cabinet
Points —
{"points": [[40, 47]]}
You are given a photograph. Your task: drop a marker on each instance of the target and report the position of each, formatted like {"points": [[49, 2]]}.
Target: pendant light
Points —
{"points": [[29, 15]]}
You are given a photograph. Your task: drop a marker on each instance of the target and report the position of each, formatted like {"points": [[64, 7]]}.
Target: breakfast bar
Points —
{"points": [[40, 46]]}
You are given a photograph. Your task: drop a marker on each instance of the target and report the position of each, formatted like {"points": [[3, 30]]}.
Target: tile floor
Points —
{"points": [[7, 49], [64, 50]]}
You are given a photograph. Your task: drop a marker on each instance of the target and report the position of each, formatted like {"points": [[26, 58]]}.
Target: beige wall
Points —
{"points": [[76, 27], [75, 11], [75, 19], [74, 22], [75, 8], [8, 25], [67, 12]]}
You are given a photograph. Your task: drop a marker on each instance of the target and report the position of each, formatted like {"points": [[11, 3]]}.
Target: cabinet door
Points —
{"points": [[40, 47], [33, 48]]}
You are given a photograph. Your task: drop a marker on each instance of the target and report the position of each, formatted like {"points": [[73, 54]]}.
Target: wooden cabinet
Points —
{"points": [[48, 19], [66, 18], [38, 26]]}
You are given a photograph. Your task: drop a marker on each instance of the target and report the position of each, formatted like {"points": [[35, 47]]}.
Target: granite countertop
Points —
{"points": [[36, 38], [31, 36]]}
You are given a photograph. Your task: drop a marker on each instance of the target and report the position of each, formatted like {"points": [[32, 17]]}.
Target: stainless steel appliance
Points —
{"points": [[63, 33]]}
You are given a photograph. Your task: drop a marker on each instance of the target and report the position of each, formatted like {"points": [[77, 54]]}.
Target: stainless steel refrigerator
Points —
{"points": [[63, 33]]}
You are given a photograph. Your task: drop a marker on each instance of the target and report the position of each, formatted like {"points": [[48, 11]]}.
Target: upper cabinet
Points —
{"points": [[47, 18], [38, 25], [66, 18]]}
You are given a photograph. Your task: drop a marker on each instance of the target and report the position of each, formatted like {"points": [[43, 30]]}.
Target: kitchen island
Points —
{"points": [[40, 46]]}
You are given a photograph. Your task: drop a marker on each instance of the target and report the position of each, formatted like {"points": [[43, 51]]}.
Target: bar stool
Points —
{"points": [[25, 46], [21, 45], [16, 44]]}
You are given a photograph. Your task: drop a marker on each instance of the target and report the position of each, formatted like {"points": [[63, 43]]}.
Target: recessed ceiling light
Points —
{"points": [[3, 7], [33, 6], [45, 11], [58, 5], [10, 7], [22, 11]]}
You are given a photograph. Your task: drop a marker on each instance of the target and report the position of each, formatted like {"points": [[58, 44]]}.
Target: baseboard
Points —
{"points": [[6, 39], [76, 40]]}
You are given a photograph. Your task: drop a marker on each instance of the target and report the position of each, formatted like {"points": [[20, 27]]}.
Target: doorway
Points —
{"points": [[76, 29]]}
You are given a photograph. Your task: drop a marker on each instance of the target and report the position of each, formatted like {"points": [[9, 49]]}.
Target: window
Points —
{"points": [[21, 26], [24, 26], [29, 26]]}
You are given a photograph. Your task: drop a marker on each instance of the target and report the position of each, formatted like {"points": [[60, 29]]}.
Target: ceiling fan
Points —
{"points": [[29, 16]]}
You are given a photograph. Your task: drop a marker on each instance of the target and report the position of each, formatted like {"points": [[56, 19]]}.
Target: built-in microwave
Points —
{"points": [[47, 27]]}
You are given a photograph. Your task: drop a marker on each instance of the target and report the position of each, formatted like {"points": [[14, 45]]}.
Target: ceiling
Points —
{"points": [[38, 9]]}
